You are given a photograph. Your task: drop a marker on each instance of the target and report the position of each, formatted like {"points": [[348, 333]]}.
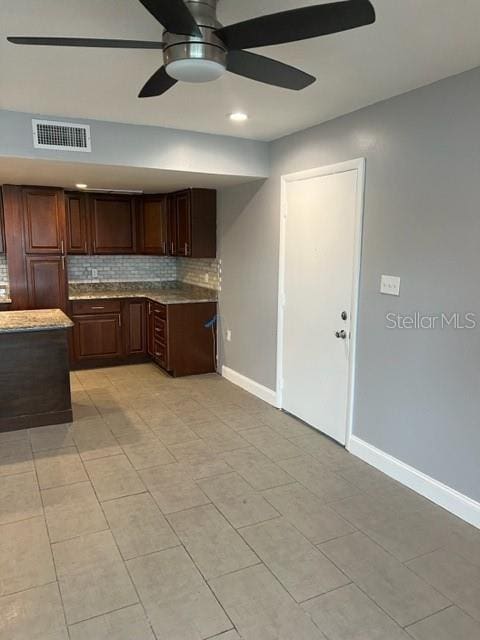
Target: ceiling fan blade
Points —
{"points": [[87, 42], [174, 15], [298, 24], [158, 84], [255, 67]]}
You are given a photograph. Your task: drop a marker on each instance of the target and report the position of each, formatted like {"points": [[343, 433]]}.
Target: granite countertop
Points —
{"points": [[38, 320], [4, 293], [162, 292], [5, 300]]}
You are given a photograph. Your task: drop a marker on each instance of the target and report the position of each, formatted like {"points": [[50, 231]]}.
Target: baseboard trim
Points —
{"points": [[256, 389], [446, 497]]}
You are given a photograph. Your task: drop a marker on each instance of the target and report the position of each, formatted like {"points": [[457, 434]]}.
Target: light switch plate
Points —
{"points": [[390, 285]]}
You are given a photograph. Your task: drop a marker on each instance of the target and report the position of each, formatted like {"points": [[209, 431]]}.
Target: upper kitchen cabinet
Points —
{"points": [[77, 223], [153, 226], [193, 223], [113, 224], [44, 221]]}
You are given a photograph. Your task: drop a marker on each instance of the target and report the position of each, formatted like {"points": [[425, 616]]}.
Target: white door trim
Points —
{"points": [[351, 165]]}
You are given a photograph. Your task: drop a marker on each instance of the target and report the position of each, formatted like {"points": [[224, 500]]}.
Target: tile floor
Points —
{"points": [[188, 509]]}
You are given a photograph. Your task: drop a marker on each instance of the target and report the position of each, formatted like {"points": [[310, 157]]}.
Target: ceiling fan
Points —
{"points": [[198, 48]]}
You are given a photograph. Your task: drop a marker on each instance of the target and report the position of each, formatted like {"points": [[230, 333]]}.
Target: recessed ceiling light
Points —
{"points": [[238, 116], [81, 186]]}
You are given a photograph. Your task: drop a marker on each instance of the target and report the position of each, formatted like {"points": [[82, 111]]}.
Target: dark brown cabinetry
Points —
{"points": [[44, 221], [77, 224], [177, 337], [153, 226], [35, 231], [135, 327], [97, 334], [113, 224], [192, 216], [46, 281]]}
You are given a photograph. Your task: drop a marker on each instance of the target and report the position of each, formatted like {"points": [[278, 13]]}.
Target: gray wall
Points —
{"points": [[417, 391], [141, 146]]}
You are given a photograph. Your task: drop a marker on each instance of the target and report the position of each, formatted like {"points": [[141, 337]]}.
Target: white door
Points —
{"points": [[321, 248]]}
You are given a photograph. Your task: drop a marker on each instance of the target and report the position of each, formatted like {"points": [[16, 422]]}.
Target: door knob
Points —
{"points": [[341, 335]]}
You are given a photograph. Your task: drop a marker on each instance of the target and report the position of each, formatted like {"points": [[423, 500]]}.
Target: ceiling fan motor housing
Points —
{"points": [[193, 58]]}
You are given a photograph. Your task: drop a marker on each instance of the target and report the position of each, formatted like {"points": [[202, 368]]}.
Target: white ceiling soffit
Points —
{"points": [[413, 43], [68, 174]]}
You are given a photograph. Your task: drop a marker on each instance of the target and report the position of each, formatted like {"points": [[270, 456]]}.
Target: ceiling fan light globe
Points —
{"points": [[195, 70]]}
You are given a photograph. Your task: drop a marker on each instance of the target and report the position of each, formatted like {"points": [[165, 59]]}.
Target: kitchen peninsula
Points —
{"points": [[34, 369]]}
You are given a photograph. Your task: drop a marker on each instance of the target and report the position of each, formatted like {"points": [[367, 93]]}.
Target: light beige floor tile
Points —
{"points": [[194, 451], [261, 609], [455, 577], [21, 435], [369, 479], [307, 513], [92, 576], [271, 444], [329, 453], [177, 600], [125, 421], [239, 420], [286, 425], [72, 511], [219, 443], [191, 418], [95, 440], [325, 484], [58, 436], [15, 457], [257, 469], [228, 635], [19, 498], [174, 433], [450, 624], [145, 451], [176, 496], [59, 467], [36, 614], [138, 526], [413, 535], [464, 540], [396, 589], [114, 477], [213, 544], [126, 624], [25, 556], [236, 499], [348, 614], [301, 568]]}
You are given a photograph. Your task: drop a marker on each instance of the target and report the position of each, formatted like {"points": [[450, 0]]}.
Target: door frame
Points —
{"points": [[358, 164]]}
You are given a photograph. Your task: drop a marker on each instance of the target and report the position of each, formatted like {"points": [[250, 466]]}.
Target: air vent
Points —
{"points": [[61, 136]]}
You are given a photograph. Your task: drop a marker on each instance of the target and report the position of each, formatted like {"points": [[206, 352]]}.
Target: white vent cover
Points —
{"points": [[62, 136]]}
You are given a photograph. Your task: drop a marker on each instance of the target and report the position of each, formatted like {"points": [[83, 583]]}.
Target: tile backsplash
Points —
{"points": [[204, 273], [3, 270]]}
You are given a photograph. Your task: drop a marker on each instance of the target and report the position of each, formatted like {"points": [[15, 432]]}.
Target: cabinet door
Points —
{"points": [[150, 329], [47, 282], [183, 224], [135, 327], [97, 336], [113, 224], [153, 226], [44, 221], [77, 227]]}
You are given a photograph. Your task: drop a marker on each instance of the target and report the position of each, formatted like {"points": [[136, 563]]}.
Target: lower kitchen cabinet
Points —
{"points": [[97, 336], [178, 337]]}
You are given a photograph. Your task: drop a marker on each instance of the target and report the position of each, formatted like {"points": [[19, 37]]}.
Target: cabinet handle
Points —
{"points": [[63, 247], [86, 247], [186, 248], [98, 308], [63, 263], [165, 247], [149, 308], [120, 321], [172, 251]]}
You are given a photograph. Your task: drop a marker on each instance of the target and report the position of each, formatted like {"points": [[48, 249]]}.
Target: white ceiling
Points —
{"points": [[413, 43], [68, 174]]}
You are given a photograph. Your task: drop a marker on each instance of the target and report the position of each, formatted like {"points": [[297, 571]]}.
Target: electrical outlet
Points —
{"points": [[207, 278], [390, 285], [94, 273], [229, 335]]}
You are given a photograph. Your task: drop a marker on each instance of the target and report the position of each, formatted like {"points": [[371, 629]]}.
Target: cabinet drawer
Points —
{"points": [[160, 353], [83, 307], [160, 329]]}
